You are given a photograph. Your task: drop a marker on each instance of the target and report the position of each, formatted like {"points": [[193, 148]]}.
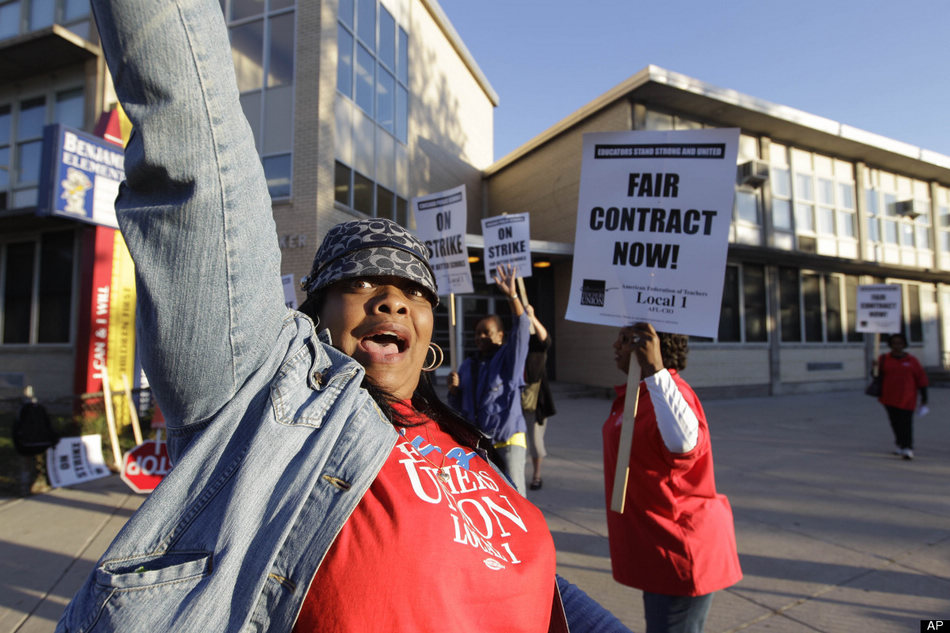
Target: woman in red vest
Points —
{"points": [[675, 539]]}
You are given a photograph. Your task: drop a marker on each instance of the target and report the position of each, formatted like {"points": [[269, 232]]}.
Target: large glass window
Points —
{"points": [[743, 314], [378, 81], [943, 220], [262, 47], [373, 74], [37, 289], [823, 195], [24, 16], [21, 140], [818, 307], [915, 327], [790, 308], [898, 211]]}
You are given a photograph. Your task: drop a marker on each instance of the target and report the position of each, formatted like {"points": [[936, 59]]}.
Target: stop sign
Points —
{"points": [[146, 465]]}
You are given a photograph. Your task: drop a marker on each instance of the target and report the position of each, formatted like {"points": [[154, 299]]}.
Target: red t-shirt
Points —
{"points": [[460, 552], [676, 534], [901, 378]]}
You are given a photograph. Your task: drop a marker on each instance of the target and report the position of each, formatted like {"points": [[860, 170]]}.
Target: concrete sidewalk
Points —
{"points": [[835, 533]]}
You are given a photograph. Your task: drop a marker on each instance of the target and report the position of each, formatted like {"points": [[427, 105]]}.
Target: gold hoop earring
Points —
{"points": [[438, 356]]}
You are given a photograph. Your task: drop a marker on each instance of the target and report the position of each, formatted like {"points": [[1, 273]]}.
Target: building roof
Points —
{"points": [[679, 93]]}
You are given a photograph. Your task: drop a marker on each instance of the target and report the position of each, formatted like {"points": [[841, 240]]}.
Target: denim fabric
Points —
{"points": [[513, 459], [489, 393], [253, 402], [274, 441], [676, 614]]}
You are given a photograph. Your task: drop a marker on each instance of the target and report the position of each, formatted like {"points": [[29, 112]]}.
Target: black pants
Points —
{"points": [[902, 423]]}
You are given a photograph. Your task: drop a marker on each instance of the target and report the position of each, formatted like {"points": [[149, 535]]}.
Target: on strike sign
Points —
{"points": [[507, 242], [146, 465], [441, 219], [652, 231]]}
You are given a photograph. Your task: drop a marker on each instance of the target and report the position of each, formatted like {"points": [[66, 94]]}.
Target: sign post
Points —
{"points": [[653, 219]]}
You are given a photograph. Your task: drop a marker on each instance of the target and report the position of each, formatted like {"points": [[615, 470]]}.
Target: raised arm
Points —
{"points": [[195, 211], [504, 277]]}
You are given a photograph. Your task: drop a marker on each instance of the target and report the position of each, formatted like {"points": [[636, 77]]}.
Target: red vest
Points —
{"points": [[676, 534]]}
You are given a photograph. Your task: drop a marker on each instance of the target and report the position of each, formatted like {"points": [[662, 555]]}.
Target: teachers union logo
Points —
{"points": [[75, 186], [593, 292], [493, 564]]}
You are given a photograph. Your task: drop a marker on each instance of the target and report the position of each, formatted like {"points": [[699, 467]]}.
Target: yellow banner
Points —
{"points": [[121, 359]]}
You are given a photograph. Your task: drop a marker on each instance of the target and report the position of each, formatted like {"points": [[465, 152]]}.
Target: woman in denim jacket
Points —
{"points": [[298, 501]]}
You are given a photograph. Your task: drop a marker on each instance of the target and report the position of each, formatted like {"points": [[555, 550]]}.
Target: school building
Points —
{"points": [[820, 208], [359, 105]]}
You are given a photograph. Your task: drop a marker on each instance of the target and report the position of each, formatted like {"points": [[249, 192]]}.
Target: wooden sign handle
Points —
{"points": [[626, 437]]}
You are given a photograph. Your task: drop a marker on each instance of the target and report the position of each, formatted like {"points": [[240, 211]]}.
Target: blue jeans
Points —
{"points": [[675, 614], [513, 459]]}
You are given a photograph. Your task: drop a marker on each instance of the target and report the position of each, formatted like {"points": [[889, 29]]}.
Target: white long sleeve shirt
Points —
{"points": [[677, 423]]}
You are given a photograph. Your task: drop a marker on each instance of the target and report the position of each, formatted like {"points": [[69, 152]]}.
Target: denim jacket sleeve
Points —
{"points": [[517, 349], [584, 614], [194, 210]]}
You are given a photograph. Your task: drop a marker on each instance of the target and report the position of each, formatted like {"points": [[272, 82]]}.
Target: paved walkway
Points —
{"points": [[835, 534]]}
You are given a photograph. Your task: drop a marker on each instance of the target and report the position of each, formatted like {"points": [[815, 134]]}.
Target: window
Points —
{"points": [[818, 307], [262, 48], [943, 221], [378, 81], [21, 140], [372, 110], [37, 284], [743, 316], [822, 196], [915, 327], [24, 16], [887, 225]]}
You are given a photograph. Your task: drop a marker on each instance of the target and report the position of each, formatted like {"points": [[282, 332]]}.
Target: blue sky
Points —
{"points": [[880, 66]]}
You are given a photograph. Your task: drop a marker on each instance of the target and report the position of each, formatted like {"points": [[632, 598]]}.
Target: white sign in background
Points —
{"points": [[74, 460], [652, 234], [879, 308], [290, 295], [441, 219], [507, 242]]}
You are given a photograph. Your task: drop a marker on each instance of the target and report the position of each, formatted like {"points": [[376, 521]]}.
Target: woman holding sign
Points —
{"points": [[318, 484], [675, 539], [902, 377]]}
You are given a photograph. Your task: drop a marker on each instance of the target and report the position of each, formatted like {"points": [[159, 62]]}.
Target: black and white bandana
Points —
{"points": [[370, 248]]}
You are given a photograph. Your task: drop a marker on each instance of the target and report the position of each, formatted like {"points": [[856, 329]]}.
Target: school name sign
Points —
{"points": [[652, 232]]}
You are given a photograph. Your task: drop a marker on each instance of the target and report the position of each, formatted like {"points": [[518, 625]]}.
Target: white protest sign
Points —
{"points": [[653, 219], [440, 222], [879, 308], [507, 242], [74, 460], [290, 295]]}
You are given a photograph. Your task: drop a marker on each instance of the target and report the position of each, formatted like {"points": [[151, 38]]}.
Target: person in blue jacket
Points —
{"points": [[487, 387], [293, 432]]}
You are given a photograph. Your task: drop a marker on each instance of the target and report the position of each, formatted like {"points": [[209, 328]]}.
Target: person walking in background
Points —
{"points": [[675, 539], [536, 399], [901, 378], [487, 387]]}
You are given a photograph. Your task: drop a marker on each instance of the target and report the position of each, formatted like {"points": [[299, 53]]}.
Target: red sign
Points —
{"points": [[93, 340], [146, 465]]}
